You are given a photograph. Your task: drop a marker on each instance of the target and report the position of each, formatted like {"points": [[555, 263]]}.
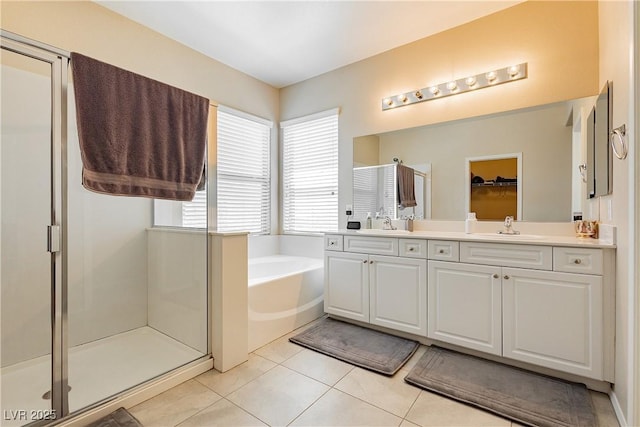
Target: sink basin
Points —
{"points": [[508, 236], [379, 231]]}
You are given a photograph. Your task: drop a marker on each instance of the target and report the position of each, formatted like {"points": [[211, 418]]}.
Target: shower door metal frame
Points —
{"points": [[59, 61]]}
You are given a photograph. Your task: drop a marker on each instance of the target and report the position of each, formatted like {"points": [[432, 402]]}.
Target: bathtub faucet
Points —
{"points": [[387, 225]]}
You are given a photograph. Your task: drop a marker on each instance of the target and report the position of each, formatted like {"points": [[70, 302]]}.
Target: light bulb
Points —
{"points": [[491, 76], [418, 94], [452, 86], [435, 90], [514, 70], [402, 98], [388, 101], [470, 81]]}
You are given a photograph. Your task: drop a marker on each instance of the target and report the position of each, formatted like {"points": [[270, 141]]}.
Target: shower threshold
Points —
{"points": [[97, 370]]}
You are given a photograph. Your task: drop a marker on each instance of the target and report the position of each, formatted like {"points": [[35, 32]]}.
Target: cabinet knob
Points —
{"points": [[332, 243], [577, 261], [365, 261], [411, 249], [506, 277], [370, 262], [441, 251], [496, 275]]}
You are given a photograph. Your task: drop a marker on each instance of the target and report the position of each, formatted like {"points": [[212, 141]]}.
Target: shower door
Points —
{"points": [[95, 299], [32, 373]]}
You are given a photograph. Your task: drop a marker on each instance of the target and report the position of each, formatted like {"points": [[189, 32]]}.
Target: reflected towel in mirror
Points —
{"points": [[406, 191]]}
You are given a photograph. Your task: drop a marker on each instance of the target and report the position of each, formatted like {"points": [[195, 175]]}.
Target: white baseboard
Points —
{"points": [[618, 409]]}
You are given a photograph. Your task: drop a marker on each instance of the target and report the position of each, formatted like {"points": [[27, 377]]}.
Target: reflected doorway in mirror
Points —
{"points": [[494, 190]]}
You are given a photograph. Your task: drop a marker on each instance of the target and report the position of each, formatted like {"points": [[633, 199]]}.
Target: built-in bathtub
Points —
{"points": [[285, 292]]}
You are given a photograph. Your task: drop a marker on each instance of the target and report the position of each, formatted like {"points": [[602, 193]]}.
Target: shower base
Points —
{"points": [[97, 370]]}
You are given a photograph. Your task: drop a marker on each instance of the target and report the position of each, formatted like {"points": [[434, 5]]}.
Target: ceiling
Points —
{"points": [[285, 42]]}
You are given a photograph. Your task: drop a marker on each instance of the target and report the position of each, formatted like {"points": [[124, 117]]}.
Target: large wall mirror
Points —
{"points": [[600, 168], [551, 141]]}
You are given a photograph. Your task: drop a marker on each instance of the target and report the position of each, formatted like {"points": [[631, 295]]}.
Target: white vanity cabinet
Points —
{"points": [[398, 293], [554, 319], [549, 305], [386, 290], [346, 285], [538, 314], [465, 305]]}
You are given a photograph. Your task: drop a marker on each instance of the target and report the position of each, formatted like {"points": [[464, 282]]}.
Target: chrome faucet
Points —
{"points": [[387, 225], [508, 226]]}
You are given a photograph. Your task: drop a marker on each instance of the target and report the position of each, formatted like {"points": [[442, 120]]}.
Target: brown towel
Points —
{"points": [[138, 137], [406, 192]]}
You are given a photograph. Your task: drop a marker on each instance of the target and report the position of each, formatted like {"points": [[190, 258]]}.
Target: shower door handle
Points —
{"points": [[53, 238]]}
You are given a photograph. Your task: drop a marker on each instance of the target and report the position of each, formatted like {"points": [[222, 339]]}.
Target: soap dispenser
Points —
{"points": [[368, 223], [470, 223]]}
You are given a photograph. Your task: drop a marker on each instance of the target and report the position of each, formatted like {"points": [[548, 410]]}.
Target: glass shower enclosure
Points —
{"points": [[94, 299]]}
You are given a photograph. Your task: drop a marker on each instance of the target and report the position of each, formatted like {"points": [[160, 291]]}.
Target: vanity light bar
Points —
{"points": [[454, 87]]}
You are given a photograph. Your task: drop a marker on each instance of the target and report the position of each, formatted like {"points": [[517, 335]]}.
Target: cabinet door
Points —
{"points": [[554, 320], [465, 305], [399, 293], [346, 285]]}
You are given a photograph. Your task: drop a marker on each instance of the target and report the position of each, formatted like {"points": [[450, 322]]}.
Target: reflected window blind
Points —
{"points": [[194, 213], [244, 175], [310, 173], [389, 184], [365, 192]]}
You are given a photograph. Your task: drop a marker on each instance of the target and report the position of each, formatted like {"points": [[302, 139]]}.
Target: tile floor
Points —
{"points": [[284, 384]]}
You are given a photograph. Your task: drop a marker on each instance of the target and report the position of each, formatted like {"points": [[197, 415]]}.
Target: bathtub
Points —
{"points": [[285, 292]]}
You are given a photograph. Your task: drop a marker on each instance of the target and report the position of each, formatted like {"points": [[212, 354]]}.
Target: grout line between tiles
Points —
{"points": [[312, 403]]}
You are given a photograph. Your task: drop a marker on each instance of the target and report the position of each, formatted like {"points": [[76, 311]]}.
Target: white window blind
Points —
{"points": [[243, 177], [310, 173], [194, 213], [244, 173]]}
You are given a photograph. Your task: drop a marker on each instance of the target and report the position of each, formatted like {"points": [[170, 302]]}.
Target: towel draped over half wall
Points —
{"points": [[406, 184], [138, 136]]}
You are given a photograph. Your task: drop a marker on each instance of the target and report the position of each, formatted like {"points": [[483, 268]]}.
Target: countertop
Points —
{"points": [[527, 239]]}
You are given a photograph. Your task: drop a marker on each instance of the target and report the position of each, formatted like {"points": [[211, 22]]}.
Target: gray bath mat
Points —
{"points": [[369, 349], [118, 418], [514, 393]]}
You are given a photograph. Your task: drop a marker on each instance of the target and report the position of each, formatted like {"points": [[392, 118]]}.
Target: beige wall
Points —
{"points": [[616, 39], [558, 40], [366, 151], [93, 30]]}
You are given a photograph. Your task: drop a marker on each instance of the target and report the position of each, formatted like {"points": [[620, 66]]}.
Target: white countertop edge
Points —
{"points": [[485, 237]]}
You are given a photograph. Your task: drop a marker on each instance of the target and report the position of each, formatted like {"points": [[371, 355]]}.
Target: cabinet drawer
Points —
{"points": [[371, 245], [444, 250], [333, 242], [578, 260], [413, 248], [507, 255]]}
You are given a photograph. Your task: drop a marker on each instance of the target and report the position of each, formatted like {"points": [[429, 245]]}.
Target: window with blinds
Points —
{"points": [[243, 176], [310, 173], [244, 172]]}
